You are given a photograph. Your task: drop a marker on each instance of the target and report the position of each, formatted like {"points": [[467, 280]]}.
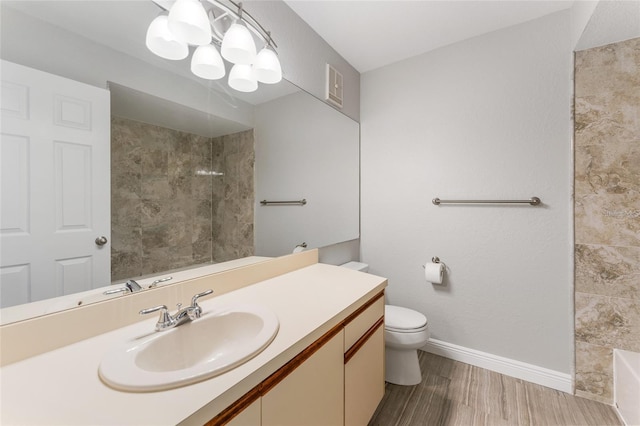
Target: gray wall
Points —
{"points": [[486, 118]]}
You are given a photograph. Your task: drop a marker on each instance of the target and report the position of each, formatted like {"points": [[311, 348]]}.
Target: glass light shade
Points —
{"points": [[189, 23], [242, 78], [161, 42], [267, 67], [207, 63], [238, 46]]}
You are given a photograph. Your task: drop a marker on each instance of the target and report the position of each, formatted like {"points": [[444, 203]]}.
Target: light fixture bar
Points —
{"points": [[262, 32], [246, 17], [205, 24]]}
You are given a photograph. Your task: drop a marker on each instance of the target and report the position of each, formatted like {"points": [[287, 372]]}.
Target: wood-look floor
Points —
{"points": [[454, 393]]}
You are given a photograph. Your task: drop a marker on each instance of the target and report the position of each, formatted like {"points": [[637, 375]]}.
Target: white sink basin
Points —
{"points": [[211, 345]]}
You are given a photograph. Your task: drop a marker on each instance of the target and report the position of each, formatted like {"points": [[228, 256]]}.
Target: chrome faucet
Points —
{"points": [[190, 313], [129, 287], [133, 286]]}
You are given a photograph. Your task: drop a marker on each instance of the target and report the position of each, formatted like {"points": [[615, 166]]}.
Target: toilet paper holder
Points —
{"points": [[434, 272], [436, 259]]}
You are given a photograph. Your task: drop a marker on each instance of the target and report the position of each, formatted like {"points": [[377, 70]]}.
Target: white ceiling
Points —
{"points": [[373, 33], [612, 21]]}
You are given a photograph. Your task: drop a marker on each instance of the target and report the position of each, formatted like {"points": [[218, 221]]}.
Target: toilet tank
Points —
{"points": [[357, 266]]}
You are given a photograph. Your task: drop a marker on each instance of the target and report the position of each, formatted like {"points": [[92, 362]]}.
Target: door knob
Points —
{"points": [[100, 241]]}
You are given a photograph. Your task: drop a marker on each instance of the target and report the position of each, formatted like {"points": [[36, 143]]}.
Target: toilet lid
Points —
{"points": [[399, 318]]}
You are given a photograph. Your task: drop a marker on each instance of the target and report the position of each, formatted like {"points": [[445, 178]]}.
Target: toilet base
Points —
{"points": [[402, 367]]}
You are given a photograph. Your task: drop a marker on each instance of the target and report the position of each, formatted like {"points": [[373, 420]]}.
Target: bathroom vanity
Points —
{"points": [[324, 366], [338, 379]]}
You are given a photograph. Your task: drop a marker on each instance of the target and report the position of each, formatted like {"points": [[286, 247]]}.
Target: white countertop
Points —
{"points": [[63, 387]]}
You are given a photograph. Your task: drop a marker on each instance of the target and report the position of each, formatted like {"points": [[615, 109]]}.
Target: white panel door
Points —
{"points": [[55, 193]]}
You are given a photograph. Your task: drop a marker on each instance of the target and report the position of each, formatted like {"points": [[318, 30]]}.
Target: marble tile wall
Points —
{"points": [[607, 212], [233, 198], [164, 215]]}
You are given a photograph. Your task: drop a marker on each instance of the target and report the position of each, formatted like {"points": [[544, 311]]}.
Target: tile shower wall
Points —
{"points": [[607, 212], [164, 215], [233, 196]]}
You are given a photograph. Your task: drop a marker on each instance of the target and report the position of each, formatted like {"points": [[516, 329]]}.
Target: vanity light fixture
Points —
{"points": [[238, 46], [162, 42], [207, 63], [189, 23], [209, 24], [243, 78]]}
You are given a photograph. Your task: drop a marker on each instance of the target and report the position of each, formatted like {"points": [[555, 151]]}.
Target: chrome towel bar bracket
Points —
{"points": [[534, 201]]}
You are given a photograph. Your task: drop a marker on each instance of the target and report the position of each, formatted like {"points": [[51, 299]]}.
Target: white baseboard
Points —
{"points": [[531, 373]]}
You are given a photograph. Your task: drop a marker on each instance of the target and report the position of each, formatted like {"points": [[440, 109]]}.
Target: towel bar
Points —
{"points": [[534, 201], [284, 203]]}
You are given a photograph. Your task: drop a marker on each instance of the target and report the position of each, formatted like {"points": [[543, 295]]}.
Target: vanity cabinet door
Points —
{"points": [[364, 364], [250, 416], [313, 393], [364, 380]]}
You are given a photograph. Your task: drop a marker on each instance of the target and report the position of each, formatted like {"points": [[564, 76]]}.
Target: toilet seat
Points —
{"points": [[403, 320]]}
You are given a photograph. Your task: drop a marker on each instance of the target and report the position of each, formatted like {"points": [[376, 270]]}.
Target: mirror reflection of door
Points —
{"points": [[55, 214]]}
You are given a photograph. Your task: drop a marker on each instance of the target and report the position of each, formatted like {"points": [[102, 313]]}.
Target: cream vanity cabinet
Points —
{"points": [[337, 380]]}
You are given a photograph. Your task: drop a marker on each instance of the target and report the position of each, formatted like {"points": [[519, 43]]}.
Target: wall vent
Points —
{"points": [[334, 86]]}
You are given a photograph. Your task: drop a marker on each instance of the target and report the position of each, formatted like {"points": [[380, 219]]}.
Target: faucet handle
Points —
{"points": [[116, 290], [154, 309], [194, 299], [164, 321], [196, 310], [161, 280]]}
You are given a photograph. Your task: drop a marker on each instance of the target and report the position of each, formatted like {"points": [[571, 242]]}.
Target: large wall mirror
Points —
{"points": [[180, 180]]}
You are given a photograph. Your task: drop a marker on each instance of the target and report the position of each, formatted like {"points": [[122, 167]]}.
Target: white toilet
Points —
{"points": [[405, 331]]}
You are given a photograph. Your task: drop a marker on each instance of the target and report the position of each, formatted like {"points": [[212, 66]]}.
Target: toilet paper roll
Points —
{"points": [[434, 272]]}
